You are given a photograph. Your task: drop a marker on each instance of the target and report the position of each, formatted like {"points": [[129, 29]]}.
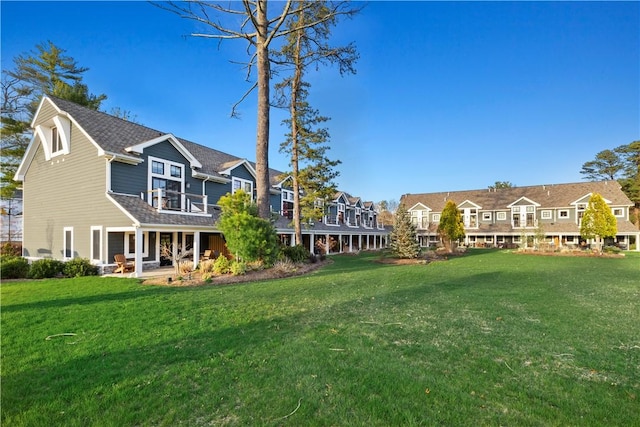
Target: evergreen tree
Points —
{"points": [[45, 71], [451, 226], [312, 171], [248, 237], [259, 29], [598, 221], [403, 240]]}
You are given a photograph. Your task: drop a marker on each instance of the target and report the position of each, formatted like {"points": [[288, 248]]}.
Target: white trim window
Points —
{"points": [[486, 216], [242, 184], [545, 214], [501, 216], [564, 213], [618, 212], [436, 217], [130, 244], [168, 177], [96, 243], [67, 243], [580, 209], [56, 143], [286, 203]]}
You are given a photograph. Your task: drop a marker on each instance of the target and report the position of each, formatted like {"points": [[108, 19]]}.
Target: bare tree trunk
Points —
{"points": [[262, 131], [295, 87]]}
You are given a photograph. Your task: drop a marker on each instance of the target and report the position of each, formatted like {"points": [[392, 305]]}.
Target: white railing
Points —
{"points": [[174, 201]]}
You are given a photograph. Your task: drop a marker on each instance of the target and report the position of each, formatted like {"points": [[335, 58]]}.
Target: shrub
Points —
{"points": [[297, 253], [238, 268], [611, 250], [284, 267], [185, 267], [256, 265], [46, 268], [11, 249], [207, 277], [12, 267], [221, 265], [79, 267], [206, 266]]}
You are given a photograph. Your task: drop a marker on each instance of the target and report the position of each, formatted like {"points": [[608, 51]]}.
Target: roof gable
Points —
{"points": [[419, 207], [228, 167], [523, 201], [585, 199], [139, 148], [469, 204]]}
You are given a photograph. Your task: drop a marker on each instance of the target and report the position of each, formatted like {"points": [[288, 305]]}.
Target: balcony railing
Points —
{"points": [[174, 201]]}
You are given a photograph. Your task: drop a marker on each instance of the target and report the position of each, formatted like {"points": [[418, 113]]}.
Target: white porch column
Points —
{"points": [[138, 253], [174, 248], [196, 248], [312, 239], [350, 242], [637, 242], [293, 240], [326, 244], [359, 242]]}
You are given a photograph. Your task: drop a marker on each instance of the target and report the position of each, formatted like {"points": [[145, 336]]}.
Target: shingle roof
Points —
{"points": [[556, 195], [114, 134]]}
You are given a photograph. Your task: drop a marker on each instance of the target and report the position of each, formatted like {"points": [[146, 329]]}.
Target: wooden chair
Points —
{"points": [[123, 265], [207, 255]]}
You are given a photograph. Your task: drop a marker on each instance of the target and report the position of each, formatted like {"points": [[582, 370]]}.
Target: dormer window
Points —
{"points": [[55, 136], [56, 144]]}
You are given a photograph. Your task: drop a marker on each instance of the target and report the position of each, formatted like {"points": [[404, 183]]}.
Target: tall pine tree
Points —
{"points": [[312, 170], [44, 71]]}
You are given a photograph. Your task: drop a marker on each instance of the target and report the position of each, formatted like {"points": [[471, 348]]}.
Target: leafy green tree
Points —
{"points": [[598, 221], [403, 240], [451, 226], [44, 71], [248, 237]]}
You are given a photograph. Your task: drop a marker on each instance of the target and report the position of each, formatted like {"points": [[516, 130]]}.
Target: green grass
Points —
{"points": [[490, 338]]}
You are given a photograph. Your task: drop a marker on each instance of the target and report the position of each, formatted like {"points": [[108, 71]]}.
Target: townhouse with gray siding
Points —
{"points": [[504, 217], [96, 185]]}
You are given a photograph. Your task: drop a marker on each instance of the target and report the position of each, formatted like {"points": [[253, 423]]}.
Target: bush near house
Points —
{"points": [[13, 267], [46, 268]]}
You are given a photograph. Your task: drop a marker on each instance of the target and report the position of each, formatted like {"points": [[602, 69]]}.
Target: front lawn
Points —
{"points": [[488, 338]]}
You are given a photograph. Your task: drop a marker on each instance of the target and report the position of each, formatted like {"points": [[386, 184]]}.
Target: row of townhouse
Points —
{"points": [[504, 217], [95, 185]]}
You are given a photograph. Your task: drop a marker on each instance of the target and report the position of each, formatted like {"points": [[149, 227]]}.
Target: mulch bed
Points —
{"points": [[227, 279]]}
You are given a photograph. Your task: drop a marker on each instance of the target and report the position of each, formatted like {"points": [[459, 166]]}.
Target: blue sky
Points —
{"points": [[447, 95]]}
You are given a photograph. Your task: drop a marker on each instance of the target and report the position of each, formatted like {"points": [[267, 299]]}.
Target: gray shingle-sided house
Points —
{"points": [[96, 186], [503, 217]]}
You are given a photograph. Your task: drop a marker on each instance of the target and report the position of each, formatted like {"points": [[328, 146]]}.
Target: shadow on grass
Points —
{"points": [[86, 300], [95, 375]]}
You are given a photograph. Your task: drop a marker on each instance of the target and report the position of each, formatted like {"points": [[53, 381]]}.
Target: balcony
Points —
{"points": [[167, 201]]}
